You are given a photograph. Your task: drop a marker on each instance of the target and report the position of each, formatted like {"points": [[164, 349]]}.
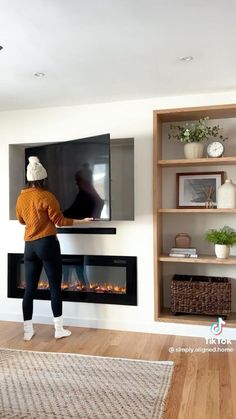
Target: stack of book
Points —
{"points": [[183, 252]]}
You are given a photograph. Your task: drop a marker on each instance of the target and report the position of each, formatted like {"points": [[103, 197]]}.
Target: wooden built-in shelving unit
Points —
{"points": [[176, 115]]}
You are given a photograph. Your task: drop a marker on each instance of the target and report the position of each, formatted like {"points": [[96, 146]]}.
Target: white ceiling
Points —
{"points": [[107, 50]]}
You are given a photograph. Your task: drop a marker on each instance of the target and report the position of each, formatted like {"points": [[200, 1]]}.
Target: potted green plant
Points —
{"points": [[193, 135], [223, 239]]}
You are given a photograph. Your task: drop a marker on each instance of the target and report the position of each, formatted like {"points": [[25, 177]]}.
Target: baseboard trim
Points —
{"points": [[160, 328]]}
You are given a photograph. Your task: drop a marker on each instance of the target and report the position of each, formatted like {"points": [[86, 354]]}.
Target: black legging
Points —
{"points": [[41, 253]]}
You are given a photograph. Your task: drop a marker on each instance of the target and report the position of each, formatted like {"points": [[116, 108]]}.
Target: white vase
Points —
{"points": [[193, 150], [226, 195], [222, 251]]}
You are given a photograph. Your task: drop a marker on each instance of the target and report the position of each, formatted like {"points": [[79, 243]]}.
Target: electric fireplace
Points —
{"points": [[90, 279]]}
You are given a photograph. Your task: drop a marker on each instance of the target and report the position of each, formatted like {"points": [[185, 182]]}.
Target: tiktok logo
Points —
{"points": [[217, 328]]}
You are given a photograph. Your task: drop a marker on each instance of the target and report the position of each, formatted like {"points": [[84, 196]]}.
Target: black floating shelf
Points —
{"points": [[87, 230]]}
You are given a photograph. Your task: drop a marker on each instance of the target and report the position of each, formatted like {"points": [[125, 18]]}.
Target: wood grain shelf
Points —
{"points": [[222, 161], [197, 210], [201, 259], [167, 316]]}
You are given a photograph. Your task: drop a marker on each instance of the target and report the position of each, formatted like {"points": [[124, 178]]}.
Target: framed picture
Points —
{"points": [[194, 190]]}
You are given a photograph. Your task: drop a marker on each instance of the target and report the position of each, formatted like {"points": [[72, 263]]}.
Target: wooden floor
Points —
{"points": [[204, 384]]}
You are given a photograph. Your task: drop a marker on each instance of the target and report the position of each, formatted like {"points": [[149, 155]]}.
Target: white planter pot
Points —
{"points": [[193, 150], [222, 251]]}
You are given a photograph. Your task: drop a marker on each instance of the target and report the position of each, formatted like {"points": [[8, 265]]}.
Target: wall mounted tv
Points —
{"points": [[78, 175]]}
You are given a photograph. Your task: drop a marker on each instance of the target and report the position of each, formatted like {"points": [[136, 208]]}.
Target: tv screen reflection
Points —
{"points": [[78, 175], [88, 202]]}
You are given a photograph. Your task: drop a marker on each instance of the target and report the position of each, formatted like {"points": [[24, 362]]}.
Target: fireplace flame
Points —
{"points": [[78, 286]]}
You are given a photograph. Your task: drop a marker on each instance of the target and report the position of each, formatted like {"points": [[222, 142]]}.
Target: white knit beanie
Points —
{"points": [[35, 170]]}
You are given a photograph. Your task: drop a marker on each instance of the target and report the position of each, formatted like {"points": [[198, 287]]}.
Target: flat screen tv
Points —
{"points": [[78, 175]]}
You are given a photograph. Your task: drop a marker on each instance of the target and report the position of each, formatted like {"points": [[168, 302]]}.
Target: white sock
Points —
{"points": [[60, 332], [28, 330]]}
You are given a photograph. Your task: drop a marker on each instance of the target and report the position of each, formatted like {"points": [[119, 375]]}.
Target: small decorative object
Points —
{"points": [[215, 149], [197, 189], [193, 150], [209, 204], [223, 239], [183, 252], [196, 133], [210, 194], [226, 195], [195, 294], [222, 251], [183, 240]]}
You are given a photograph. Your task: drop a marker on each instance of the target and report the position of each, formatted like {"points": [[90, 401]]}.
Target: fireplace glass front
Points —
{"points": [[96, 279]]}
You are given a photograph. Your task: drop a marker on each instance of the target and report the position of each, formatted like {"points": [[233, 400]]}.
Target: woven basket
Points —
{"points": [[200, 295]]}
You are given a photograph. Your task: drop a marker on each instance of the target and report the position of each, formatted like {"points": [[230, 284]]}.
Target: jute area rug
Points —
{"points": [[41, 385]]}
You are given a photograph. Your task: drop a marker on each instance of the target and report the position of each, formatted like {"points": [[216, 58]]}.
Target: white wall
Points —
{"points": [[121, 119]]}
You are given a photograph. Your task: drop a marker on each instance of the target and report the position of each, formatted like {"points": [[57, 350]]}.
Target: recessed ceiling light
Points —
{"points": [[186, 58], [38, 74]]}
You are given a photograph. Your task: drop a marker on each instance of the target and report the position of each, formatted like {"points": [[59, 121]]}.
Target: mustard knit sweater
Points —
{"points": [[39, 210]]}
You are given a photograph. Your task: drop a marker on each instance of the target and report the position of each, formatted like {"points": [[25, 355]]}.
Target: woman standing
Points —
{"points": [[39, 211]]}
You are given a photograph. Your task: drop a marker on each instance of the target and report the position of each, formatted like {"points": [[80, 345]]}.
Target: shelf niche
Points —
{"points": [[162, 163]]}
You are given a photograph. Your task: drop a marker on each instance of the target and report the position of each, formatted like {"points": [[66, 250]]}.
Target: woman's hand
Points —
{"points": [[83, 221]]}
